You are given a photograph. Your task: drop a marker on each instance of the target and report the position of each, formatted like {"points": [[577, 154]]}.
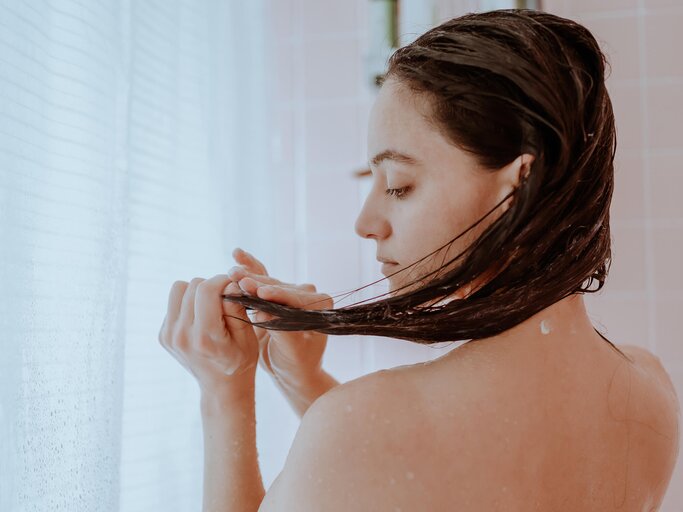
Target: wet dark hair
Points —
{"points": [[500, 84]]}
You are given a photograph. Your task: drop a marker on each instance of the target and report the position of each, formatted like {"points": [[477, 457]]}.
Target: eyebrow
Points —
{"points": [[391, 154]]}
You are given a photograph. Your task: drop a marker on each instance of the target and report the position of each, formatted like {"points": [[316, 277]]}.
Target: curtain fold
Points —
{"points": [[131, 151]]}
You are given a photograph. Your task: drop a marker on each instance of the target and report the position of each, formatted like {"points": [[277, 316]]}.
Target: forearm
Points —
{"points": [[232, 477], [303, 392]]}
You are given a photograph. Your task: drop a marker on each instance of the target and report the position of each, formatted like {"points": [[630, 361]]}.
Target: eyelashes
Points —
{"points": [[399, 193]]}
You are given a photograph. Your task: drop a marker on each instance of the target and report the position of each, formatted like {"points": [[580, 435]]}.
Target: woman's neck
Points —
{"points": [[566, 318], [561, 328]]}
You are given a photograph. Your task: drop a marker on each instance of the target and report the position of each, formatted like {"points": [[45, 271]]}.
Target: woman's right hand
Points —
{"points": [[291, 357]]}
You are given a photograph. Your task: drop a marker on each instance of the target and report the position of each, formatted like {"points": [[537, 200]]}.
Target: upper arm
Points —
{"points": [[335, 461]]}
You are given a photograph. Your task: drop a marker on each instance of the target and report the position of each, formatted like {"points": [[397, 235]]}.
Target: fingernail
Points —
{"points": [[234, 270], [227, 290]]}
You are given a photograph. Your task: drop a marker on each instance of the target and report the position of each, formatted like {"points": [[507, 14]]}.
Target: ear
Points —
{"points": [[512, 174]]}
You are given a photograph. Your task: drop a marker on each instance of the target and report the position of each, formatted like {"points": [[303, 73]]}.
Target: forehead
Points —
{"points": [[398, 122], [396, 109]]}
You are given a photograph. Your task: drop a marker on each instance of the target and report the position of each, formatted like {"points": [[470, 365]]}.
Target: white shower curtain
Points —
{"points": [[131, 155]]}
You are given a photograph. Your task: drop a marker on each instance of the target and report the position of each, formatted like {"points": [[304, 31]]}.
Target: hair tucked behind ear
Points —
{"points": [[500, 84]]}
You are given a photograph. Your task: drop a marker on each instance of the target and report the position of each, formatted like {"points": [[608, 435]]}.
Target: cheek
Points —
{"points": [[444, 221], [422, 233], [435, 221], [421, 230]]}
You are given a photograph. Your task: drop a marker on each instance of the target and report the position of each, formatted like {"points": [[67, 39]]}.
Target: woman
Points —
{"points": [[496, 127]]}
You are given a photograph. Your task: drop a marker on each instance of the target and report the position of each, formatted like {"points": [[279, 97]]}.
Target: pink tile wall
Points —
{"points": [[318, 106], [321, 106]]}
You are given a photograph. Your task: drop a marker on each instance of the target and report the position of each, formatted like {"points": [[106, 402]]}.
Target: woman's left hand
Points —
{"points": [[212, 346]]}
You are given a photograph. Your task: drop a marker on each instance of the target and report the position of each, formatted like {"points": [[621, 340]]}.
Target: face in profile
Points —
{"points": [[425, 190]]}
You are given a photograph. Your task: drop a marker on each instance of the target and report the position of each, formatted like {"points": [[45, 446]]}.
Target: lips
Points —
{"points": [[384, 260]]}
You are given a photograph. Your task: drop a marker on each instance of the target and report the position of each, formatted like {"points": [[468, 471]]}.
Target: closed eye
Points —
{"points": [[399, 193]]}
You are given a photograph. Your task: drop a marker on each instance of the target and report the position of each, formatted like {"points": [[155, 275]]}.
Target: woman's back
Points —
{"points": [[555, 427]]}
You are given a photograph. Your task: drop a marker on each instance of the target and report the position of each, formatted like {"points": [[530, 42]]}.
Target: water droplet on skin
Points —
{"points": [[392, 481], [545, 327], [410, 475], [349, 408]]}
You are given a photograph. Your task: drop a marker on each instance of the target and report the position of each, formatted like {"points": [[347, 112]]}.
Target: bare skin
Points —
{"points": [[572, 425]]}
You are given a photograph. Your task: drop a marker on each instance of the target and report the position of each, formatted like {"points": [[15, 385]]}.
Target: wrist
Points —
{"points": [[301, 380], [313, 378], [235, 393], [310, 386], [220, 403]]}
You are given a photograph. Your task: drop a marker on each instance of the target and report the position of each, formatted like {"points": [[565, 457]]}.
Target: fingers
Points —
{"points": [[208, 306], [250, 266], [205, 332], [243, 277], [166, 333], [237, 273], [296, 298], [239, 325], [248, 260], [175, 297], [235, 315], [186, 316]]}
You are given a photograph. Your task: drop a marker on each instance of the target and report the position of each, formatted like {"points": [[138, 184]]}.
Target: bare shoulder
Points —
{"points": [[354, 450], [653, 369], [399, 438]]}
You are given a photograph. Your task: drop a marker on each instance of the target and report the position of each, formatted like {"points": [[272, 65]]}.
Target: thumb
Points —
{"points": [[235, 315]]}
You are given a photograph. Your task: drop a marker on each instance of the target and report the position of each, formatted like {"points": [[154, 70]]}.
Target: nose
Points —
{"points": [[370, 222]]}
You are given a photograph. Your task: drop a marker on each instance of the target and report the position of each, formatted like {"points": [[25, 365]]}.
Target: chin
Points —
{"points": [[391, 289], [394, 289]]}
